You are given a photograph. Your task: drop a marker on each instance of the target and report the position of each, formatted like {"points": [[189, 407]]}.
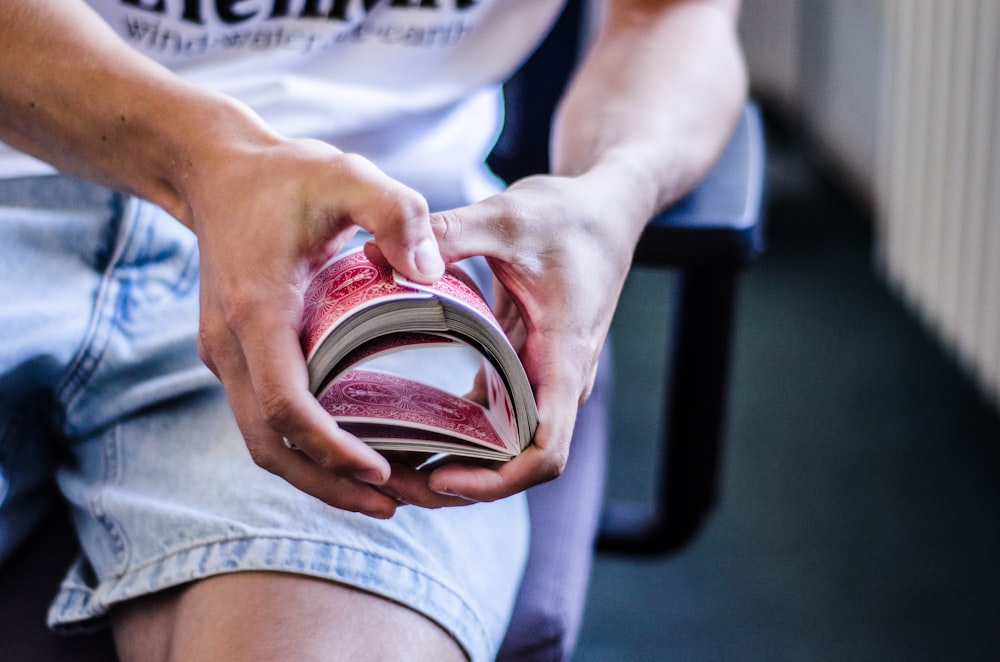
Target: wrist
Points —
{"points": [[625, 194], [214, 138]]}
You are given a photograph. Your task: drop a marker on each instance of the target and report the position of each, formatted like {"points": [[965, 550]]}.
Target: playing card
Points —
{"points": [[457, 286], [500, 406], [364, 396], [357, 314], [389, 344], [346, 284], [385, 437]]}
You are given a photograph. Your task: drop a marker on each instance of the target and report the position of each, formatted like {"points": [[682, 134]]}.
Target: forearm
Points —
{"points": [[653, 102], [74, 95]]}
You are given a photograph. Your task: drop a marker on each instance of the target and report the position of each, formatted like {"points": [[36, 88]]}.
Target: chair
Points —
{"points": [[708, 237]]}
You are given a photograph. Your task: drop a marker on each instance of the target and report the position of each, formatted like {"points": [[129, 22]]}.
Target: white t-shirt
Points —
{"points": [[411, 84]]}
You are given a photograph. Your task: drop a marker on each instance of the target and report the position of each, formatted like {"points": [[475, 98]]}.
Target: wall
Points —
{"points": [[902, 99], [819, 62]]}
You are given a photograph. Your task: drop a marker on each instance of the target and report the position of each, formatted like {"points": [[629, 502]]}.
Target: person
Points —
{"points": [[174, 171]]}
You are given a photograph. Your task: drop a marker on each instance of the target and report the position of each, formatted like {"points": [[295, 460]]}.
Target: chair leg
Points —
{"points": [[695, 407]]}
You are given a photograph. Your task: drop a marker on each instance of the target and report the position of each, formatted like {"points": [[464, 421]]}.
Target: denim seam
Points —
{"points": [[98, 332], [76, 603], [92, 347], [120, 275], [111, 526], [187, 549]]}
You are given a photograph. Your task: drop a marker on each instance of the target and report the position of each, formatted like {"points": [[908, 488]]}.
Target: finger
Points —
{"points": [[396, 215], [262, 367], [269, 451], [374, 254], [540, 462], [409, 485], [458, 234], [341, 492], [479, 392], [485, 484], [280, 379], [404, 238]]}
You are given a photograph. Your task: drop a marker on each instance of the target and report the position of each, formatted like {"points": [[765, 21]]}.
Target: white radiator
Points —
{"points": [[938, 188]]}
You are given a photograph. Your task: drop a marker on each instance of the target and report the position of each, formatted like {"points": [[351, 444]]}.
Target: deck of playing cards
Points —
{"points": [[357, 312]]}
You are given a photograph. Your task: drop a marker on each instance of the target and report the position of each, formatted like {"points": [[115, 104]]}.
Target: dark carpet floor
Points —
{"points": [[859, 514]]}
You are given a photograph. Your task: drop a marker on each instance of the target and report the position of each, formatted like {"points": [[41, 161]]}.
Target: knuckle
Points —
{"points": [[262, 456], [206, 350], [588, 384], [397, 199], [233, 305], [213, 345], [554, 465], [408, 210], [275, 408], [239, 310], [353, 164], [208, 335], [327, 459], [446, 225]]}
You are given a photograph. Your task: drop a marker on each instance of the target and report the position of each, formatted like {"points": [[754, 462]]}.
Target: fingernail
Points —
{"points": [[428, 259]]}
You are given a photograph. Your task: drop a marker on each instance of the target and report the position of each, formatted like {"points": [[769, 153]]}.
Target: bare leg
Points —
{"points": [[271, 616]]}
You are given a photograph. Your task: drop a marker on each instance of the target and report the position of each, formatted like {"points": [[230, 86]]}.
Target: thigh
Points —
{"points": [[272, 616]]}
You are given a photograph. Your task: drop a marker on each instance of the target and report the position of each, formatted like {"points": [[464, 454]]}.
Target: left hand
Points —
{"points": [[560, 257]]}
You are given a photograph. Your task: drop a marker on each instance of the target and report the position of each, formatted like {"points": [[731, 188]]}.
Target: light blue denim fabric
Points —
{"points": [[101, 387]]}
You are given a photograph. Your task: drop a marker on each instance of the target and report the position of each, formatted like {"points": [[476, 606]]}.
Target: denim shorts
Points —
{"points": [[105, 404]]}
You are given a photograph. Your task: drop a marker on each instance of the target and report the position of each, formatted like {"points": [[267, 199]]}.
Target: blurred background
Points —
{"points": [[859, 511]]}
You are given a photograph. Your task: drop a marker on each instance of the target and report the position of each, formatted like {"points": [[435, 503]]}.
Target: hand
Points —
{"points": [[266, 221], [560, 258]]}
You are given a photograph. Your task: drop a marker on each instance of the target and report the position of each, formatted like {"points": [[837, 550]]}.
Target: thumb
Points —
{"points": [[423, 264], [414, 254], [403, 239]]}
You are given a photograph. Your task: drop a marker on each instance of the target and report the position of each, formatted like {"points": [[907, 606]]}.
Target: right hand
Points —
{"points": [[266, 220], [267, 211]]}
